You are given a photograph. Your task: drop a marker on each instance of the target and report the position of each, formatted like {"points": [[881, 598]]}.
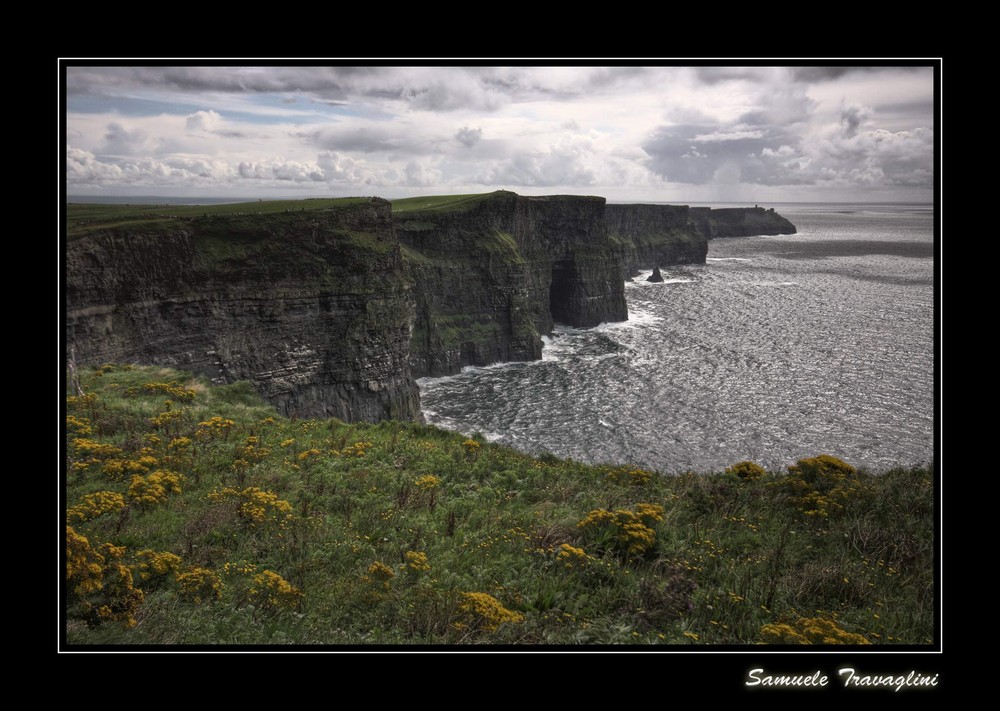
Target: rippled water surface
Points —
{"points": [[777, 348]]}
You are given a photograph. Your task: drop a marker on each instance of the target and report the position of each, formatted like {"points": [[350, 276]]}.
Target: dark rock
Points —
{"points": [[648, 235], [493, 275], [655, 276], [739, 222], [313, 308]]}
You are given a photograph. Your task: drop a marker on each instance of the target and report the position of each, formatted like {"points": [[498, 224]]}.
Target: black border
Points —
{"points": [[728, 666]]}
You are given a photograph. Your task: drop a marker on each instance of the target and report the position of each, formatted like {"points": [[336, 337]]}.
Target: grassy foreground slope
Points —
{"points": [[196, 515]]}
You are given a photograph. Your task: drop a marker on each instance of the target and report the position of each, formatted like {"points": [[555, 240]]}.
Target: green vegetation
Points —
{"points": [[439, 203], [197, 515], [455, 329], [84, 218]]}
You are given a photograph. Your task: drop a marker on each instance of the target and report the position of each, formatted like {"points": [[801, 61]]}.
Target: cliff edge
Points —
{"points": [[332, 307], [312, 307]]}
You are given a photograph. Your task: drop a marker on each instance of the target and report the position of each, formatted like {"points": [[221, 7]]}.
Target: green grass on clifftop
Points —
{"points": [[197, 515], [83, 218], [438, 203]]}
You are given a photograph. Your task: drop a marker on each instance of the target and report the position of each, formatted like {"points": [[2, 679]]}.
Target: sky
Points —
{"points": [[629, 133]]}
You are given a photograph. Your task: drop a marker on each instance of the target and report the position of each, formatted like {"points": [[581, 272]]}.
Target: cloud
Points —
{"points": [[716, 75], [469, 137], [735, 134], [565, 163], [83, 168], [372, 139], [824, 74], [119, 140], [851, 118], [203, 121], [419, 175], [561, 128]]}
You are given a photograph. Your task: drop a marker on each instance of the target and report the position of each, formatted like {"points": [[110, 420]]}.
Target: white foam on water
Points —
{"points": [[774, 283], [677, 281], [492, 366], [637, 318], [727, 259]]}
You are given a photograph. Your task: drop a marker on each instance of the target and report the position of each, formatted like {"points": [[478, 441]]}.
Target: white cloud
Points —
{"points": [[203, 121], [446, 129]]}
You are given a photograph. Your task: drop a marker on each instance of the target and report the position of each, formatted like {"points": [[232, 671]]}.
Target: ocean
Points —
{"points": [[777, 348]]}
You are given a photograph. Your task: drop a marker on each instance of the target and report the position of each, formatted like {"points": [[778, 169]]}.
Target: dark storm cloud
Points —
{"points": [[469, 137], [821, 74], [372, 139], [715, 75], [703, 154], [118, 140], [426, 88], [851, 118], [422, 88], [198, 79]]}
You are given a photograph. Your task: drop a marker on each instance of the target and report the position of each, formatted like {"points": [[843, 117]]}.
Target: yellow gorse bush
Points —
{"points": [[747, 470], [157, 564], [78, 402], [242, 568], [148, 491], [199, 585], [427, 482], [99, 582], [358, 449], [378, 574], [809, 630], [483, 611], [165, 419], [417, 561], [631, 531], [80, 425], [572, 557], [83, 447], [629, 476], [94, 505], [256, 506], [120, 468], [214, 427], [270, 590], [174, 389], [84, 566], [179, 444], [821, 486]]}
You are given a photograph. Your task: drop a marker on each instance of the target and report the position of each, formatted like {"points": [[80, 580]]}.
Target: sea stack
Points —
{"points": [[655, 276]]}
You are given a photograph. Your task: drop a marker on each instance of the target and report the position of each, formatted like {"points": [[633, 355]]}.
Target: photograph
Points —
{"points": [[505, 356]]}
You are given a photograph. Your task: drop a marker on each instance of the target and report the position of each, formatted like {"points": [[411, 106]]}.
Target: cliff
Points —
{"points": [[655, 235], [739, 222], [333, 307], [493, 272], [312, 307]]}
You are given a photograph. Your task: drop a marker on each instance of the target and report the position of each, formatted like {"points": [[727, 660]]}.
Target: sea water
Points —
{"points": [[777, 348]]}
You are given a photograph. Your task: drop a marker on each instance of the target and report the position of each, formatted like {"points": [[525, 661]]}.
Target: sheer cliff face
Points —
{"points": [[739, 222], [313, 308], [655, 235], [494, 275]]}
